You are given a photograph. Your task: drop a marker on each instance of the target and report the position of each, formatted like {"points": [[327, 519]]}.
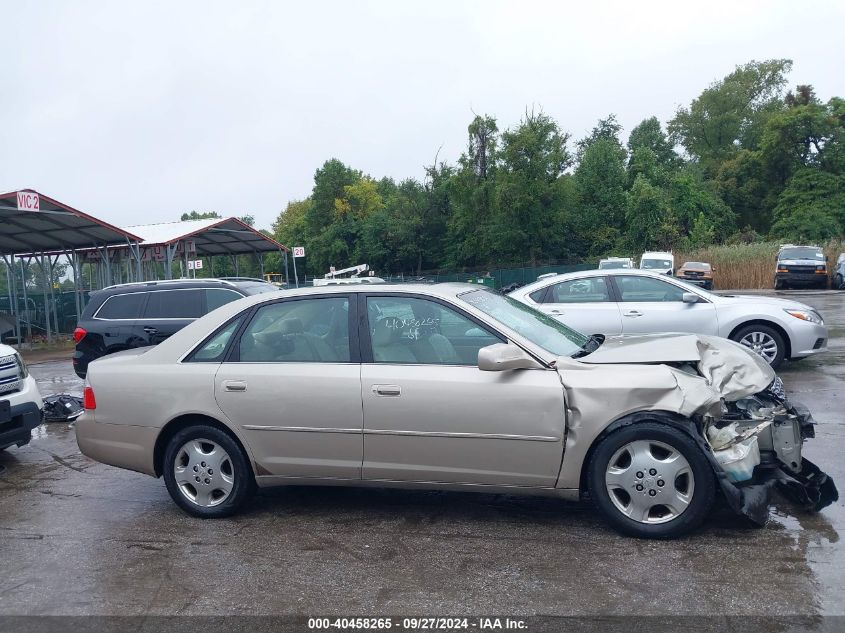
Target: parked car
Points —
{"points": [[800, 266], [449, 386], [641, 302], [616, 262], [146, 313], [659, 262], [20, 402], [698, 273], [839, 272]]}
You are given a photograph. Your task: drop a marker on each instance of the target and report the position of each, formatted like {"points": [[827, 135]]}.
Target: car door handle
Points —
{"points": [[150, 330], [234, 385], [557, 311], [633, 313], [387, 390]]}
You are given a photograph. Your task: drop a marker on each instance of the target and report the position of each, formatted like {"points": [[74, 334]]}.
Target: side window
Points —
{"points": [[298, 331], [647, 289], [589, 290], [537, 295], [215, 348], [174, 304], [216, 297], [122, 306], [418, 331]]}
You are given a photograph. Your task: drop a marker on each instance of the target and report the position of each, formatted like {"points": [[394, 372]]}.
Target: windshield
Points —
{"points": [[542, 330], [608, 265], [801, 253], [662, 264]]}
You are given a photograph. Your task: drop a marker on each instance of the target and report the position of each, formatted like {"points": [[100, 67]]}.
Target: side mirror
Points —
{"points": [[689, 297], [502, 357]]}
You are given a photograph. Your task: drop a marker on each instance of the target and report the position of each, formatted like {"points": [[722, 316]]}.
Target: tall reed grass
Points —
{"points": [[741, 266]]}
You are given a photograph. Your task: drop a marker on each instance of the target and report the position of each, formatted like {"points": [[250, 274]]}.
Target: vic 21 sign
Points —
{"points": [[28, 201]]}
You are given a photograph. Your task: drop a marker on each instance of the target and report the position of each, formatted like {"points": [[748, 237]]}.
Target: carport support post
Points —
{"points": [[107, 281], [168, 260], [75, 264], [26, 305], [295, 276], [287, 277], [44, 291], [53, 293], [13, 295]]}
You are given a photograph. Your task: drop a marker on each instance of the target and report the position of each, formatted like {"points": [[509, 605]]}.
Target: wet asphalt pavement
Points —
{"points": [[78, 537]]}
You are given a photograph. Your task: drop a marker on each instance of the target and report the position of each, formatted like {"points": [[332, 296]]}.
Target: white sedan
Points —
{"points": [[612, 302]]}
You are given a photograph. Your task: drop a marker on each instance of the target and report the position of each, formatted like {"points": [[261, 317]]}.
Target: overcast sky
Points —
{"points": [[138, 112]]}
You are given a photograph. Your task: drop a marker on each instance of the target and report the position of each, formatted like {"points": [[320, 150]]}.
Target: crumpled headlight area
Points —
{"points": [[806, 315]]}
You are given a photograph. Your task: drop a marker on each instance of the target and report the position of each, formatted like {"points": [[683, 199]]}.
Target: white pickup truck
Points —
{"points": [[20, 402]]}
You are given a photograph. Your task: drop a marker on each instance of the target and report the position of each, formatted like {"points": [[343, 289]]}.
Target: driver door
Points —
{"points": [[650, 305], [431, 415]]}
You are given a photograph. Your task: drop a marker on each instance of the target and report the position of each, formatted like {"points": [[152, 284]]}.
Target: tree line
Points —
{"points": [[747, 160]]}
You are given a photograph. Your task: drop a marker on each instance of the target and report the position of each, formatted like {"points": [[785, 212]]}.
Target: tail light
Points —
{"points": [[79, 334], [88, 400]]}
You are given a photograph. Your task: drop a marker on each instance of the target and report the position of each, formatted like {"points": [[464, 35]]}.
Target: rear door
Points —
{"points": [[292, 383], [113, 324], [649, 305], [166, 312], [585, 304]]}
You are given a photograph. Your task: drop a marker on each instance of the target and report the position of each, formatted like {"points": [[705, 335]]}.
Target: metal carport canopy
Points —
{"points": [[55, 228], [217, 236]]}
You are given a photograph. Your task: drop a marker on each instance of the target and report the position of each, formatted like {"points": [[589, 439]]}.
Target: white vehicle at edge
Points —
{"points": [[659, 262], [612, 302], [20, 400], [610, 263]]}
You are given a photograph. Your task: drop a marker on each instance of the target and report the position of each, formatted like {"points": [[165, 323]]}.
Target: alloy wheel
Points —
{"points": [[761, 343]]}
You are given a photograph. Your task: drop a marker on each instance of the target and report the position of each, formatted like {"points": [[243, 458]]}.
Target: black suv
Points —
{"points": [[145, 313]]}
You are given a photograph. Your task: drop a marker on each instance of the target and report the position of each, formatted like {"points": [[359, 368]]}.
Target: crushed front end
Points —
{"points": [[756, 444]]}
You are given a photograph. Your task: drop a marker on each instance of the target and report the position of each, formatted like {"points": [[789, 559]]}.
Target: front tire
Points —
{"points": [[651, 480], [837, 281], [764, 340], [206, 472]]}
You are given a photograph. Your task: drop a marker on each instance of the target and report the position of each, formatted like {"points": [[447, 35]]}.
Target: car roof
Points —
{"points": [[174, 284], [597, 272], [445, 289]]}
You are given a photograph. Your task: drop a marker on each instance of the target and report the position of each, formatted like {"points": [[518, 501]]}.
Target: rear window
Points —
{"points": [[121, 306], [257, 288], [174, 304], [216, 297]]}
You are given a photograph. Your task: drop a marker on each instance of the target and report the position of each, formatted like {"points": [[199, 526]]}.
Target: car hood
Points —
{"points": [[801, 262], [728, 368], [761, 300]]}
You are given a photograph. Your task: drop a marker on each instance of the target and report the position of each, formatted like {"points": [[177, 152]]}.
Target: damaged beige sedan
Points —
{"points": [[450, 387]]}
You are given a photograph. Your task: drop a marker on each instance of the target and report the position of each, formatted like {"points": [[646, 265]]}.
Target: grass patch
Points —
{"points": [[739, 266]]}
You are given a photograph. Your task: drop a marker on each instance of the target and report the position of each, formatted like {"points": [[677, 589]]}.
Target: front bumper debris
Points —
{"points": [[782, 466]]}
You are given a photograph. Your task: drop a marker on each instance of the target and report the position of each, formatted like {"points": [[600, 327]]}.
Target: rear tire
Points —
{"points": [[651, 480], [763, 340], [206, 472]]}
